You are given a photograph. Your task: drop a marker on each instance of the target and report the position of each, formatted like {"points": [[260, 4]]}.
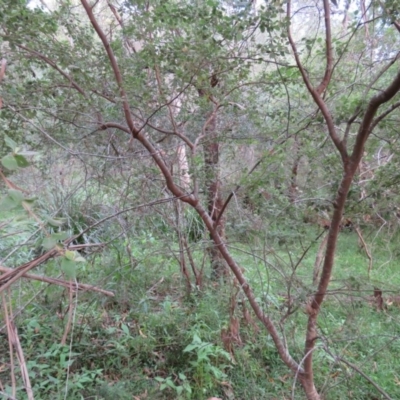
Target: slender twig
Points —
{"points": [[316, 94], [380, 117], [54, 65], [70, 314], [22, 362], [234, 191], [10, 346], [365, 247], [60, 282], [365, 376]]}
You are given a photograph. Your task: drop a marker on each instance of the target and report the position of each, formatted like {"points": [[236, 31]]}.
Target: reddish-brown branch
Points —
{"points": [[262, 317], [175, 190], [380, 117], [60, 282], [365, 247], [328, 50], [54, 65], [8, 278], [366, 124], [193, 201], [315, 93], [350, 169]]}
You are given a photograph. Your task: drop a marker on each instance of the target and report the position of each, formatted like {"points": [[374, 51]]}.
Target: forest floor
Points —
{"points": [[154, 340]]}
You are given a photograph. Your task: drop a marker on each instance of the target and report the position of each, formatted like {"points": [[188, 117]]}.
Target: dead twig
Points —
{"points": [[365, 247], [365, 376], [14, 344], [318, 259], [60, 282], [22, 363], [8, 325], [70, 316]]}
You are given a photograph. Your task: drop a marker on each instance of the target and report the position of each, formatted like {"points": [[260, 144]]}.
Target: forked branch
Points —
{"points": [[193, 201], [316, 92]]}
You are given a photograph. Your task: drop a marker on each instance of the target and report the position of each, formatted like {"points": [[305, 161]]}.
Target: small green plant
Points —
{"points": [[49, 372], [183, 389], [207, 368]]}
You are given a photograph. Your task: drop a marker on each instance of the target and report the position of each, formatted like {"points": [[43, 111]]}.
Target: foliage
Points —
{"points": [[88, 127]]}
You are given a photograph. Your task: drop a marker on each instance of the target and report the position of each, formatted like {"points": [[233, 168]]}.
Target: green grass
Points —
{"points": [[136, 343]]}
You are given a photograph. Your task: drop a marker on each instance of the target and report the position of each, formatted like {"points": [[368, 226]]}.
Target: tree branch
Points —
{"points": [[55, 66], [61, 282], [382, 116], [328, 49], [316, 95], [366, 124], [350, 168], [137, 134]]}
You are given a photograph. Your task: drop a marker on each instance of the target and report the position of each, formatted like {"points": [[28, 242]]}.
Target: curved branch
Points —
{"points": [[382, 116], [234, 191], [175, 190], [365, 376], [328, 50], [54, 66], [350, 167], [367, 123], [193, 201], [316, 95], [380, 73], [262, 317]]}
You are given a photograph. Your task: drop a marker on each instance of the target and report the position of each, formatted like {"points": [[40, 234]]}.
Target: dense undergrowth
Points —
{"points": [[156, 340]]}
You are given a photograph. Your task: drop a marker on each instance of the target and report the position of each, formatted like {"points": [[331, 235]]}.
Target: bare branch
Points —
{"points": [[366, 124], [316, 94], [262, 317], [380, 117], [55, 66], [350, 168], [328, 49], [365, 376], [60, 282], [128, 116], [380, 73]]}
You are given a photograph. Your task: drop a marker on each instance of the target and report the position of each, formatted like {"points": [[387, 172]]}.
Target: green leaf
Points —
{"points": [[9, 162], [79, 258], [171, 384], [69, 268], [49, 242], [189, 348], [60, 235], [125, 329], [7, 203], [16, 195], [56, 222], [21, 161], [70, 255], [10, 143]]}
